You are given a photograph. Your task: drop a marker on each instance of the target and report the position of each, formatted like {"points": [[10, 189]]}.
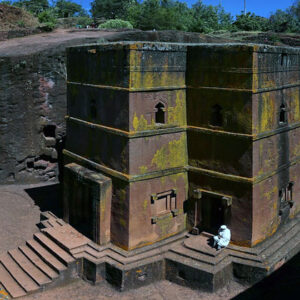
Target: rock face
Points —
{"points": [[32, 105], [33, 98]]}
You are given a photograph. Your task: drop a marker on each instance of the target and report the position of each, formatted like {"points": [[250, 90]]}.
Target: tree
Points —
{"points": [[225, 19], [149, 15], [159, 15], [6, 2], [208, 18], [109, 9], [287, 20], [294, 10], [66, 9], [33, 6], [133, 13], [251, 22]]}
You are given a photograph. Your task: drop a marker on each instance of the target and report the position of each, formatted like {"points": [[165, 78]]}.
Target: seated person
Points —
{"points": [[223, 238]]}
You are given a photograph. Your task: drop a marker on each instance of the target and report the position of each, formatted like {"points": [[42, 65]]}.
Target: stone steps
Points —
{"points": [[28, 267], [198, 256], [46, 256], [280, 241], [38, 262], [35, 265], [88, 250], [54, 249], [18, 274], [293, 242], [258, 250], [281, 232], [190, 262], [10, 284], [49, 220], [51, 258]]}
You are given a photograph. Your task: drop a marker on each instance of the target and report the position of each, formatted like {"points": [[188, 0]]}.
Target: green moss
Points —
{"points": [[164, 225], [145, 205], [141, 124], [175, 177], [174, 154], [143, 169], [177, 114], [122, 222]]}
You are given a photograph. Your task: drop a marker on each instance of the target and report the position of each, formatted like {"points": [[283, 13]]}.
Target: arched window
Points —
{"points": [[216, 116], [282, 114], [160, 113]]}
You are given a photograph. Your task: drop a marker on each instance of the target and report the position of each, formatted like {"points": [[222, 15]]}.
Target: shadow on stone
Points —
{"points": [[282, 284], [48, 198], [210, 242]]}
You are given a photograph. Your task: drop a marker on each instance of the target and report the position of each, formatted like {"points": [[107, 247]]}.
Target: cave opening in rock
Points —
{"points": [[49, 131]]}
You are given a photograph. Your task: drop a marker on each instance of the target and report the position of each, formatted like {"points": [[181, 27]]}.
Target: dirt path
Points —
{"points": [[162, 290], [39, 42], [18, 217]]}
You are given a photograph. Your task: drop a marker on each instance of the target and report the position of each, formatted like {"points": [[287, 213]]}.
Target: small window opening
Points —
{"points": [[282, 114], [30, 164], [283, 61], [290, 191], [49, 131], [93, 109], [181, 274], [282, 196], [216, 117], [160, 113]]}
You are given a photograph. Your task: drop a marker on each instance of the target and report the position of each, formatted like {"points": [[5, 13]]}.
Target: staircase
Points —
{"points": [[59, 253], [193, 259], [35, 265]]}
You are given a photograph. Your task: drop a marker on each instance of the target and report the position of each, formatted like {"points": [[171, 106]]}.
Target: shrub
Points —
{"points": [[48, 26], [21, 23], [274, 38], [47, 16], [84, 21], [48, 20], [251, 22], [115, 23]]}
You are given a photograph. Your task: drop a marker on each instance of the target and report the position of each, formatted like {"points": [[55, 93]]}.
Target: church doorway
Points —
{"points": [[211, 211]]}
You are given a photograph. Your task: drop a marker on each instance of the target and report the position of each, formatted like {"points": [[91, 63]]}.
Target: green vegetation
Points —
{"points": [[67, 9], [251, 22], [48, 20], [48, 14], [171, 14], [110, 9], [33, 6], [21, 23], [161, 15], [115, 23]]}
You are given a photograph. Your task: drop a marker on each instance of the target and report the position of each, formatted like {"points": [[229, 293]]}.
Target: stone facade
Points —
{"points": [[33, 95], [92, 194], [192, 136], [130, 119], [243, 137]]}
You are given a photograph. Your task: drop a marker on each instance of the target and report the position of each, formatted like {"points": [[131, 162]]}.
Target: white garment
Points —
{"points": [[223, 237]]}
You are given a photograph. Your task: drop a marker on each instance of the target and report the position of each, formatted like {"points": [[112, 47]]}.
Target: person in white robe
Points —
{"points": [[223, 238]]}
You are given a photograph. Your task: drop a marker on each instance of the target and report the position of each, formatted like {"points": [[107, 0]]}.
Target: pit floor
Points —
{"points": [[19, 214]]}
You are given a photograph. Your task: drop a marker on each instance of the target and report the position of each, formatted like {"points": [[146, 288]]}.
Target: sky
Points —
{"points": [[259, 7]]}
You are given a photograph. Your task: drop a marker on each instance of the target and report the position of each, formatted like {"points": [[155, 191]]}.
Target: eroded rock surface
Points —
{"points": [[33, 105], [33, 97]]}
